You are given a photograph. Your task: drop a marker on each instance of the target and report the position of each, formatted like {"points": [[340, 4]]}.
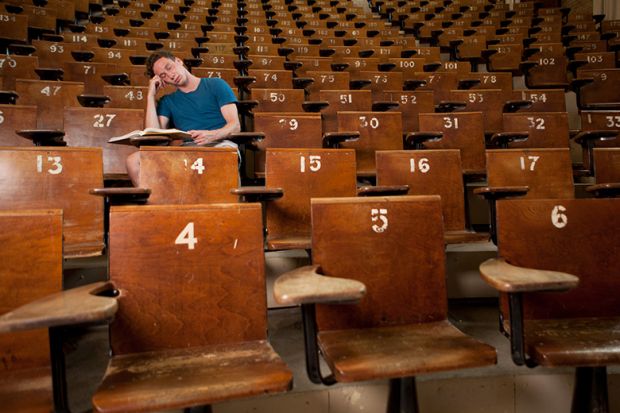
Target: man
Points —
{"points": [[205, 108]]}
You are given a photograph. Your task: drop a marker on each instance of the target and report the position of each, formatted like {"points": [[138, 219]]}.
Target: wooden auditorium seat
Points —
{"points": [[50, 97], [14, 118], [189, 175], [370, 317], [58, 178], [557, 264], [432, 172], [93, 127], [292, 178], [33, 377], [188, 347], [606, 172]]}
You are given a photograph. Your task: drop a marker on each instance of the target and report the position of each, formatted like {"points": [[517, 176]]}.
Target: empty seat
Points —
{"points": [[374, 317], [58, 178], [174, 351], [547, 247]]}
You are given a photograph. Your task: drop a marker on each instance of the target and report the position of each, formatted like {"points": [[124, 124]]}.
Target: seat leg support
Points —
{"points": [[313, 364], [590, 393], [59, 377], [403, 396]]}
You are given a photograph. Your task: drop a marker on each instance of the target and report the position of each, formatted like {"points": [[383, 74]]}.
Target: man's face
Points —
{"points": [[171, 72]]}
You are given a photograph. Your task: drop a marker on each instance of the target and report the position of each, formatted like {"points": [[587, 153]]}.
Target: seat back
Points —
{"points": [[51, 97], [189, 175], [577, 236], [378, 131], [34, 178], [428, 172], [545, 129], [546, 171], [357, 237], [14, 118], [607, 165], [32, 252], [304, 174], [205, 282], [92, 127]]}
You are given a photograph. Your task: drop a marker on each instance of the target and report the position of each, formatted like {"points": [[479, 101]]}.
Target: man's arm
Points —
{"points": [[151, 119], [230, 114]]}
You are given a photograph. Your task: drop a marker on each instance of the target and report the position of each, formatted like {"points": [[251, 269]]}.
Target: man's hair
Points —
{"points": [[154, 57]]}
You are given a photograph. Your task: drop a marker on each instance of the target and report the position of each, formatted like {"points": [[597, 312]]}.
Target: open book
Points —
{"points": [[172, 133]]}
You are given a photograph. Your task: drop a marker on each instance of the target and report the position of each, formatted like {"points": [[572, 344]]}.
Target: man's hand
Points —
{"points": [[203, 137], [154, 85]]}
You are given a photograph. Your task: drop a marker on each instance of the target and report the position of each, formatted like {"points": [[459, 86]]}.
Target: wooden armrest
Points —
{"points": [[123, 196], [106, 43], [501, 192], [83, 55], [305, 285], [43, 137], [413, 84], [302, 82], [285, 51], [8, 97], [21, 49], [117, 79], [334, 139], [386, 67], [468, 83], [49, 73], [503, 139], [242, 65], [383, 190], [314, 106], [583, 138], [339, 67], [512, 106], [325, 52], [359, 83], [247, 138], [245, 106], [383, 106], [449, 106], [93, 101], [86, 304], [431, 67], [292, 65], [244, 81], [578, 83], [258, 193], [415, 140], [138, 59], [508, 278], [605, 190], [406, 54]]}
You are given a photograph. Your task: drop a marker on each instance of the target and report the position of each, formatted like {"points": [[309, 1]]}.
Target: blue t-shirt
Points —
{"points": [[199, 109]]}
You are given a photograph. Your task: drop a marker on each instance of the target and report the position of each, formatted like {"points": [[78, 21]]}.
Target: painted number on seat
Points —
{"points": [[56, 162], [528, 162], [558, 216], [422, 165], [378, 217], [313, 161], [186, 236]]}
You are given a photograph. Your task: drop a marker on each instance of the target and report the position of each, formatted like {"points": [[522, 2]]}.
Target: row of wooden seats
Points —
{"points": [[365, 325]]}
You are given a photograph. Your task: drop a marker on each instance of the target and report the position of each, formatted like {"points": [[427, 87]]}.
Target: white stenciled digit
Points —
{"points": [[373, 122], [103, 121], [379, 216], [612, 121], [56, 164], [187, 237], [277, 97], [346, 98], [422, 165], [536, 123], [314, 163], [532, 165], [558, 216], [450, 123], [198, 166], [1, 117]]}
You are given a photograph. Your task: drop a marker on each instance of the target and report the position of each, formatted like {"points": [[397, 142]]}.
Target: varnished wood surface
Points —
{"points": [[307, 285], [212, 293], [189, 175], [50, 104], [288, 218], [401, 351], [65, 178], [574, 342], [16, 117], [354, 100], [191, 377], [35, 237], [385, 134], [28, 390], [545, 129], [408, 287], [546, 171], [464, 236], [75, 306], [468, 137], [512, 279], [443, 178], [607, 165], [585, 244], [92, 127]]}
